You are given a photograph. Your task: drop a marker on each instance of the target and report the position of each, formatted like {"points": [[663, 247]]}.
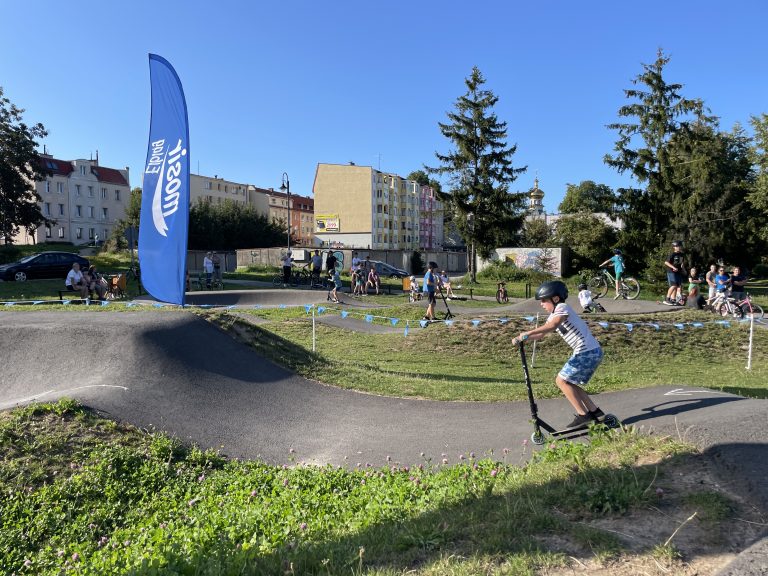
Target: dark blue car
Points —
{"points": [[43, 265]]}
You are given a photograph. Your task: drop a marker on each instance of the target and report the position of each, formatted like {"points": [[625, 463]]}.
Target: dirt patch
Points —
{"points": [[693, 527]]}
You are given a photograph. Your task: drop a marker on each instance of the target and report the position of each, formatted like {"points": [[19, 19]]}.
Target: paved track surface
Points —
{"points": [[176, 372]]}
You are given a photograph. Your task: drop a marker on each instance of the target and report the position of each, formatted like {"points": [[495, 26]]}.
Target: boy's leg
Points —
{"points": [[578, 398]]}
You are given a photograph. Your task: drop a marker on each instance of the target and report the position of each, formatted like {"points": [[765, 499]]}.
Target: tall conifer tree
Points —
{"points": [[479, 171]]}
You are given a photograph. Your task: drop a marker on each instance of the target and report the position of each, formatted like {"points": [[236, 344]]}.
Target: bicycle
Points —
{"points": [[749, 308], [294, 280], [202, 282], [501, 293], [629, 287], [726, 306]]}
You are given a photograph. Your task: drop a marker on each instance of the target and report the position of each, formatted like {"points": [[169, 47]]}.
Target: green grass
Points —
{"points": [[480, 364], [83, 494]]}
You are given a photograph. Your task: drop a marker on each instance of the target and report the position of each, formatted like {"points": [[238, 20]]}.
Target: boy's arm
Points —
{"points": [[605, 263], [540, 332]]}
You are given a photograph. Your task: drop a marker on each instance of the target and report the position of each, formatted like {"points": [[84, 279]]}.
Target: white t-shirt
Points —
{"points": [[574, 330], [208, 265], [73, 278], [585, 298]]}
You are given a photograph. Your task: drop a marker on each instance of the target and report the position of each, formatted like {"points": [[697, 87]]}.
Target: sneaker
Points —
{"points": [[579, 420], [596, 414], [668, 302], [617, 296]]}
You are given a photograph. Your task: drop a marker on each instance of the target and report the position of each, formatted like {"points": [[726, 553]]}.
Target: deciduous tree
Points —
{"points": [[20, 167], [588, 196]]}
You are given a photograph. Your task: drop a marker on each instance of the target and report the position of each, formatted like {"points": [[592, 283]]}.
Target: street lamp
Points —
{"points": [[286, 187]]}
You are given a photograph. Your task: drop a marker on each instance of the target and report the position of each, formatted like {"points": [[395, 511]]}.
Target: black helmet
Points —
{"points": [[617, 251], [551, 289], [582, 286], [677, 243]]}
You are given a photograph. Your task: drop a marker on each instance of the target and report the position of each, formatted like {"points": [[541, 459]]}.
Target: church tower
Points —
{"points": [[536, 200]]}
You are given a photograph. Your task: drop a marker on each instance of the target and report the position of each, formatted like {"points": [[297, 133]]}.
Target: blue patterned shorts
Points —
{"points": [[580, 367]]}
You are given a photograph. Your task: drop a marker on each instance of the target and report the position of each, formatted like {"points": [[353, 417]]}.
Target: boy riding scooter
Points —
{"points": [[587, 353]]}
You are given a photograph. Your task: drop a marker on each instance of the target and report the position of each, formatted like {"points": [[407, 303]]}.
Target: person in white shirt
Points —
{"points": [[75, 281], [585, 299], [208, 269], [287, 260], [587, 353]]}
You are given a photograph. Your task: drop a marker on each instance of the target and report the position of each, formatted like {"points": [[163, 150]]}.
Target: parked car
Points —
{"points": [[387, 271], [43, 265]]}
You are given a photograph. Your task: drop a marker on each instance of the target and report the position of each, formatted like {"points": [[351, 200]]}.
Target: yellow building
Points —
{"points": [[361, 207]]}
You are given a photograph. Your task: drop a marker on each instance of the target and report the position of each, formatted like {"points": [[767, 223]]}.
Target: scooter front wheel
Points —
{"points": [[537, 438]]}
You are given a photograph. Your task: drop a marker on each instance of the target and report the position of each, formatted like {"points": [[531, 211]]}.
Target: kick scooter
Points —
{"points": [[541, 428]]}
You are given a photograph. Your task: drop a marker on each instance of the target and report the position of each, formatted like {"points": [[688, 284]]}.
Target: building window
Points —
{"points": [[60, 187], [61, 209], [207, 186], [105, 213], [61, 232], [82, 170], [79, 233], [103, 193], [78, 211], [106, 233], [47, 231], [77, 190], [91, 233], [47, 187], [226, 188], [117, 195], [90, 211], [90, 191], [47, 208]]}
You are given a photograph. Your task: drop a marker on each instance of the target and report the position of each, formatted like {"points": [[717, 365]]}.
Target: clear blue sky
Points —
{"points": [[281, 86]]}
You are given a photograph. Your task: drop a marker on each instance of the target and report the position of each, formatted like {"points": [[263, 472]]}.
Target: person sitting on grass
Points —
{"points": [[415, 294], [95, 282], [75, 281], [445, 282], [587, 353]]}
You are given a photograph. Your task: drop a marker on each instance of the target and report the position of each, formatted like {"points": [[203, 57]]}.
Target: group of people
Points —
{"points": [[88, 283], [212, 268], [718, 281]]}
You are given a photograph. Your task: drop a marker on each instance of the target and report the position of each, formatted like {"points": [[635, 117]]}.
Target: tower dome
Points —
{"points": [[536, 199]]}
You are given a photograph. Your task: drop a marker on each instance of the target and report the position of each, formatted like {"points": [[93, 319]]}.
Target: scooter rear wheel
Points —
{"points": [[611, 421]]}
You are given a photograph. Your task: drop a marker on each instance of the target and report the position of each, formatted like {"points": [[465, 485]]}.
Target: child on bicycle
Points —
{"points": [[618, 269], [585, 299], [587, 353], [501, 292]]}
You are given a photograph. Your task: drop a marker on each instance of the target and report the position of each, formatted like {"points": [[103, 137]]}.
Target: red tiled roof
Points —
{"points": [[58, 167], [109, 175]]}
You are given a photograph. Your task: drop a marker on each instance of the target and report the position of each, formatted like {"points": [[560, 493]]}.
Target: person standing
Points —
{"points": [[355, 262], [317, 267], [738, 284], [710, 278], [216, 259], [675, 265], [587, 353], [330, 262], [694, 298], [429, 287], [618, 269], [208, 269], [287, 260]]}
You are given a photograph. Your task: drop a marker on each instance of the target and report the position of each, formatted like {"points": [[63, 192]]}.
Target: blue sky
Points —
{"points": [[281, 86]]}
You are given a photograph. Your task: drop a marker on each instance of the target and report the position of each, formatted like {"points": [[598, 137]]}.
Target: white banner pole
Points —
{"points": [[313, 329]]}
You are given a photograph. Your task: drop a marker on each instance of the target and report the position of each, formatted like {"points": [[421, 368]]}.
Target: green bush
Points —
{"points": [[760, 271], [507, 271]]}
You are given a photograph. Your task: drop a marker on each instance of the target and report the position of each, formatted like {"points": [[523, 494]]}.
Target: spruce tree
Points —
{"points": [[657, 114], [479, 171]]}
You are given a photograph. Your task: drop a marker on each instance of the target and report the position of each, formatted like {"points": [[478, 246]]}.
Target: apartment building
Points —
{"points": [[361, 207], [82, 198], [302, 214]]}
